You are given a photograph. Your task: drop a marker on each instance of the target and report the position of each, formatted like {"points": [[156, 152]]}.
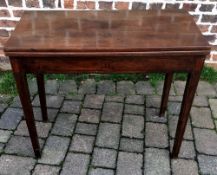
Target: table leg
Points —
{"points": [[23, 91], [190, 89], [165, 95], [42, 96]]}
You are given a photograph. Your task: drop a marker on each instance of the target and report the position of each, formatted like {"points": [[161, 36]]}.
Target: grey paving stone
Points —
{"points": [[4, 135], [129, 163], [215, 121], [181, 166], [10, 118], [187, 149], [176, 98], [104, 158], [201, 117], [153, 101], [75, 164], [114, 98], [135, 99], [16, 102], [159, 88], [133, 126], [84, 128], [207, 164], [108, 135], [125, 87], [75, 97], [33, 88], [173, 120], [46, 170], [172, 90], [156, 161], [144, 87], [131, 145], [87, 87], [174, 108], [68, 87], [54, 150], [89, 115], [42, 129], [106, 87], [21, 146], [51, 86], [152, 115], [64, 125], [206, 141], [81, 143], [205, 88], [180, 87], [156, 135], [213, 106], [52, 113], [112, 112], [52, 101], [1, 147], [200, 101], [94, 101], [3, 107], [101, 171], [16, 165], [134, 109], [71, 107]]}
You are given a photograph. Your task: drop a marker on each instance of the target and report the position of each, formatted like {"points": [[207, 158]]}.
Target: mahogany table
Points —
{"points": [[106, 42]]}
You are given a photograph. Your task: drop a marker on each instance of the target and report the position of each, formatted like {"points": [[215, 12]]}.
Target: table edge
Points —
{"points": [[100, 54]]}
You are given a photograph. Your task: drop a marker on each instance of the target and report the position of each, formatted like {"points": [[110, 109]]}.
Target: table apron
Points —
{"points": [[107, 65]]}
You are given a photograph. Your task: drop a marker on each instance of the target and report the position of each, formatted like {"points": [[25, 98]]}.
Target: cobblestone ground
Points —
{"points": [[109, 128]]}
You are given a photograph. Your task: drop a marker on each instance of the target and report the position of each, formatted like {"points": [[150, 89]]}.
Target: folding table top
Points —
{"points": [[106, 31]]}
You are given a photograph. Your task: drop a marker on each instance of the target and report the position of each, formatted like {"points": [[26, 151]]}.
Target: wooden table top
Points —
{"points": [[106, 31]]}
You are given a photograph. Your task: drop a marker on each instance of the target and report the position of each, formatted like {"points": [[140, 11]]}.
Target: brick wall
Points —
{"points": [[204, 12]]}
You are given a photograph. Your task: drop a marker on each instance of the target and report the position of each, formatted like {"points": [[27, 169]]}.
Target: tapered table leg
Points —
{"points": [[165, 95], [23, 91], [42, 96], [190, 89]]}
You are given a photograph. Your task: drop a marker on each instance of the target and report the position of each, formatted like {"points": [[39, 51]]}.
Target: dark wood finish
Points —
{"points": [[190, 89], [165, 94], [42, 96], [107, 42], [110, 64], [80, 32], [22, 87]]}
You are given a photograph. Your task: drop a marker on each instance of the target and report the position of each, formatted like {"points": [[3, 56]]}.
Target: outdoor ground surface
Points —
{"points": [[118, 133]]}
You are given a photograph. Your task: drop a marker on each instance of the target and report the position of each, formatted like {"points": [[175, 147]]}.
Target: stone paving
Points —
{"points": [[107, 128]]}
